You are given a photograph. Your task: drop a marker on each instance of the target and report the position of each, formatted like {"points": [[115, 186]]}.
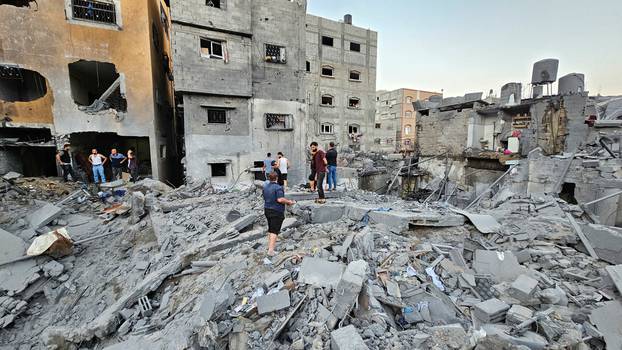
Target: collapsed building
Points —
{"points": [[566, 143], [258, 77], [90, 74]]}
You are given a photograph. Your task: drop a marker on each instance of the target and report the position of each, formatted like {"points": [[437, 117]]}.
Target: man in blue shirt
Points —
{"points": [[274, 208], [116, 161], [267, 165]]}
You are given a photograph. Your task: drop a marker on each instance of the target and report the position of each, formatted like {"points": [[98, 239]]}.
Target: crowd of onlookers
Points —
{"points": [[82, 168]]}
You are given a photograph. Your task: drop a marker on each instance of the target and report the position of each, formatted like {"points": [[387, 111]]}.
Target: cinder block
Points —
{"points": [[347, 338], [523, 288]]}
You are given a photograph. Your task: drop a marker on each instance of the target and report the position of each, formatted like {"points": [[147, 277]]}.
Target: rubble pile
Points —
{"points": [[151, 267]]}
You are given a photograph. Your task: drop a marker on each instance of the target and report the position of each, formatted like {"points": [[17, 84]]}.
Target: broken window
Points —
{"points": [[308, 66], [328, 71], [354, 102], [353, 129], [21, 85], [214, 3], [97, 86], [212, 48], [218, 169], [378, 126], [328, 41], [216, 116], [95, 11], [17, 3], [279, 121], [327, 100], [275, 54], [355, 75], [326, 128], [356, 47], [407, 129]]}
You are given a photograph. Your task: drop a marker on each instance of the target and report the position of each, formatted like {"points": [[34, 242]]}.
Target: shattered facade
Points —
{"points": [[88, 73]]}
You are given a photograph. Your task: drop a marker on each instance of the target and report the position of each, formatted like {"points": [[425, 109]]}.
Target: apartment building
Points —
{"points": [[340, 81], [251, 78], [395, 119], [95, 74]]}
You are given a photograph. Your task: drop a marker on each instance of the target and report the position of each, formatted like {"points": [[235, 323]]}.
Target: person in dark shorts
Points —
{"points": [[319, 159], [64, 160], [274, 208]]}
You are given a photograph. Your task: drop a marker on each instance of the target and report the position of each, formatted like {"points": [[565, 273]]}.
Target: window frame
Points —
{"points": [[280, 59], [221, 6], [355, 72], [358, 129], [211, 170], [288, 123], [116, 25], [332, 41], [330, 126], [332, 69], [222, 44], [408, 129], [354, 98], [332, 100], [377, 125], [217, 109], [308, 66], [355, 43]]}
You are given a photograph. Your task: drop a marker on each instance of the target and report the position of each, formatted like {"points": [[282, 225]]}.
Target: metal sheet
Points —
{"points": [[483, 223]]}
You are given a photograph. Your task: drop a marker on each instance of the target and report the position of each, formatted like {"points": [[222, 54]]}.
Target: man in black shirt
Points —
{"points": [[331, 158], [63, 158]]}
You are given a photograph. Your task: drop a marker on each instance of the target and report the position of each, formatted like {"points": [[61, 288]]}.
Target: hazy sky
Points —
{"points": [[477, 45]]}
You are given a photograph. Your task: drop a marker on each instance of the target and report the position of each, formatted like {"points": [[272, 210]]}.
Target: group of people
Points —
{"points": [[118, 162], [322, 163]]}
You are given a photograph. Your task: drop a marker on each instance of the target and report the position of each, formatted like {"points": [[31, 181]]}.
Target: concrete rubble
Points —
{"points": [[188, 269]]}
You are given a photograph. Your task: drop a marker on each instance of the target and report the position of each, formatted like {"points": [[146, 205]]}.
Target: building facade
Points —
{"points": [[92, 73], [395, 120], [249, 83], [340, 81]]}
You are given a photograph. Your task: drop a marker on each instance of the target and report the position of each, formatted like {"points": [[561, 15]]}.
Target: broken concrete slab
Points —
{"points": [[502, 266], [615, 272], [608, 319], [240, 224], [44, 215], [11, 175], [323, 213], [215, 303], [15, 276], [532, 340], [272, 278], [523, 288], [273, 302], [53, 269], [320, 272], [483, 223], [349, 287], [518, 314], [491, 311], [347, 338], [606, 241]]}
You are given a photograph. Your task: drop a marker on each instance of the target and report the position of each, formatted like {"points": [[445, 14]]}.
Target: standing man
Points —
{"points": [[319, 159], [97, 161], [331, 158], [116, 161], [274, 209], [132, 165], [283, 167], [267, 164], [275, 169], [63, 158]]}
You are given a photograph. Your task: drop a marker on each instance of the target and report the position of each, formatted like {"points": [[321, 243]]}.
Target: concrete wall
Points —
{"points": [[444, 131], [340, 86], [233, 16], [46, 41]]}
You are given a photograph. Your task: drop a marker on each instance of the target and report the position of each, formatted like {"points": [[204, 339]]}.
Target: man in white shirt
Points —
{"points": [[97, 161], [283, 167]]}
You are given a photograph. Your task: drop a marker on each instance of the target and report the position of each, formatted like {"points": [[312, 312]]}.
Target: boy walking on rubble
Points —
{"points": [[274, 209]]}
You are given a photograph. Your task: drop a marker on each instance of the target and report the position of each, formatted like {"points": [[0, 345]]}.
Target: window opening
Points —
{"points": [[218, 169], [354, 102], [89, 10], [354, 75], [97, 86], [326, 128], [353, 129], [308, 64], [216, 116], [327, 41], [213, 3], [275, 54], [327, 100], [23, 85], [212, 48], [327, 71], [278, 121], [356, 47]]}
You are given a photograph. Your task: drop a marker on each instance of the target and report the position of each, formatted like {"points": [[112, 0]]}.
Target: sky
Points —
{"points": [[460, 46]]}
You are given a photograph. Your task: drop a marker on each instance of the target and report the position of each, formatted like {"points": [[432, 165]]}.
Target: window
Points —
{"points": [[355, 75], [407, 129], [354, 102], [409, 99], [353, 129], [327, 100], [21, 85], [308, 66], [326, 128], [408, 114], [327, 41], [356, 47], [97, 86], [278, 121], [378, 126], [213, 3], [216, 116], [328, 71], [389, 140], [218, 169], [95, 11], [212, 48], [275, 54], [162, 151]]}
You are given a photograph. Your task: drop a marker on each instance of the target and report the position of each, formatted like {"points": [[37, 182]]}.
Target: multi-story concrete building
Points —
{"points": [[92, 73], [395, 122], [247, 73], [340, 81]]}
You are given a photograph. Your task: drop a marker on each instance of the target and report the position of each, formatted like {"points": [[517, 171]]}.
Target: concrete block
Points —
{"points": [[321, 214], [16, 276], [502, 266], [491, 311], [273, 302], [43, 215], [347, 338], [320, 272], [272, 278], [349, 287], [53, 268], [518, 314], [11, 175], [523, 288], [606, 241]]}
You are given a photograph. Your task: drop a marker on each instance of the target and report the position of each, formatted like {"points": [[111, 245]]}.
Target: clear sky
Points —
{"points": [[477, 45]]}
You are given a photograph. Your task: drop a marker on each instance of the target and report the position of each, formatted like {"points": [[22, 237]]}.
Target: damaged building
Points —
{"points": [[87, 73], [562, 143], [249, 83]]}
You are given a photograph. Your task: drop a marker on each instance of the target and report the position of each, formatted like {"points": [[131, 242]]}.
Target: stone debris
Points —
{"points": [[182, 269]]}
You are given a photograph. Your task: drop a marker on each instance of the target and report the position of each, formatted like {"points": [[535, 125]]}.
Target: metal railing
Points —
{"points": [[102, 12]]}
